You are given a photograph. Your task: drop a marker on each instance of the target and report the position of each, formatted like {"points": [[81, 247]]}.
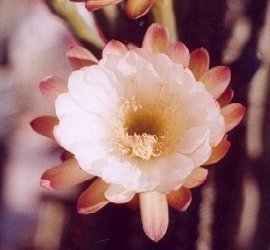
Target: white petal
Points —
{"points": [[118, 194], [167, 186], [202, 153], [65, 105], [173, 169], [150, 176], [94, 89], [124, 68], [77, 127], [122, 172], [192, 139], [174, 166], [90, 155]]}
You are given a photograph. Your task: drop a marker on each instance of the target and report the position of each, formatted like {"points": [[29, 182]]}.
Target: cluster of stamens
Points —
{"points": [[141, 131]]}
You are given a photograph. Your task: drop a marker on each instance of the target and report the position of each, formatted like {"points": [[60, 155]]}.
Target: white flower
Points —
{"points": [[142, 120], [141, 123]]}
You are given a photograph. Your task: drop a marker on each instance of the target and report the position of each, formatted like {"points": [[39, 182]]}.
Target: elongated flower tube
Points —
{"points": [[143, 121], [134, 8]]}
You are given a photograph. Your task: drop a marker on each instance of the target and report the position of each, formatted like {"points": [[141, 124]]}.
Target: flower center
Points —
{"points": [[143, 130]]}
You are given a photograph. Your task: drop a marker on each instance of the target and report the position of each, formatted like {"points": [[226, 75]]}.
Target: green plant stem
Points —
{"points": [[163, 13], [68, 12]]}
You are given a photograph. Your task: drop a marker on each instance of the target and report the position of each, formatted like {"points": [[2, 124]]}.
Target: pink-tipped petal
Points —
{"points": [[92, 5], [156, 39], [199, 62], [218, 152], [180, 199], [138, 8], [216, 80], [233, 114], [93, 199], [226, 97], [52, 86], [196, 178], [154, 214], [44, 125], [63, 176], [179, 53], [114, 48], [80, 57], [46, 184]]}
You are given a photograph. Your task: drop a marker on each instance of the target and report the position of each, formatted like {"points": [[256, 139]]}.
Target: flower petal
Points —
{"points": [[52, 86], [114, 47], [44, 125], [199, 62], [201, 154], [92, 5], [63, 176], [192, 139], [173, 167], [66, 155], [118, 194], [156, 39], [80, 57], [216, 80], [196, 178], [77, 127], [94, 89], [119, 171], [233, 114], [154, 214], [226, 97], [218, 152], [137, 8], [64, 105], [180, 199], [93, 199], [179, 53]]}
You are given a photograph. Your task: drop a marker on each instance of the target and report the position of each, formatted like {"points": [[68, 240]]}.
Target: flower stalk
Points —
{"points": [[163, 13], [83, 32]]}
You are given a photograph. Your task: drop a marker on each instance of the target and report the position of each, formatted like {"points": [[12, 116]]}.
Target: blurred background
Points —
{"points": [[230, 211]]}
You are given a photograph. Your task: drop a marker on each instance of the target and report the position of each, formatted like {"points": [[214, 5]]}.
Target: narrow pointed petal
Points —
{"points": [[138, 8], [52, 86], [93, 199], [180, 199], [118, 194], [226, 97], [80, 57], [156, 38], [196, 178], [216, 80], [154, 214], [114, 48], [233, 114], [63, 176], [92, 5], [218, 152], [199, 62], [44, 125], [179, 53]]}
